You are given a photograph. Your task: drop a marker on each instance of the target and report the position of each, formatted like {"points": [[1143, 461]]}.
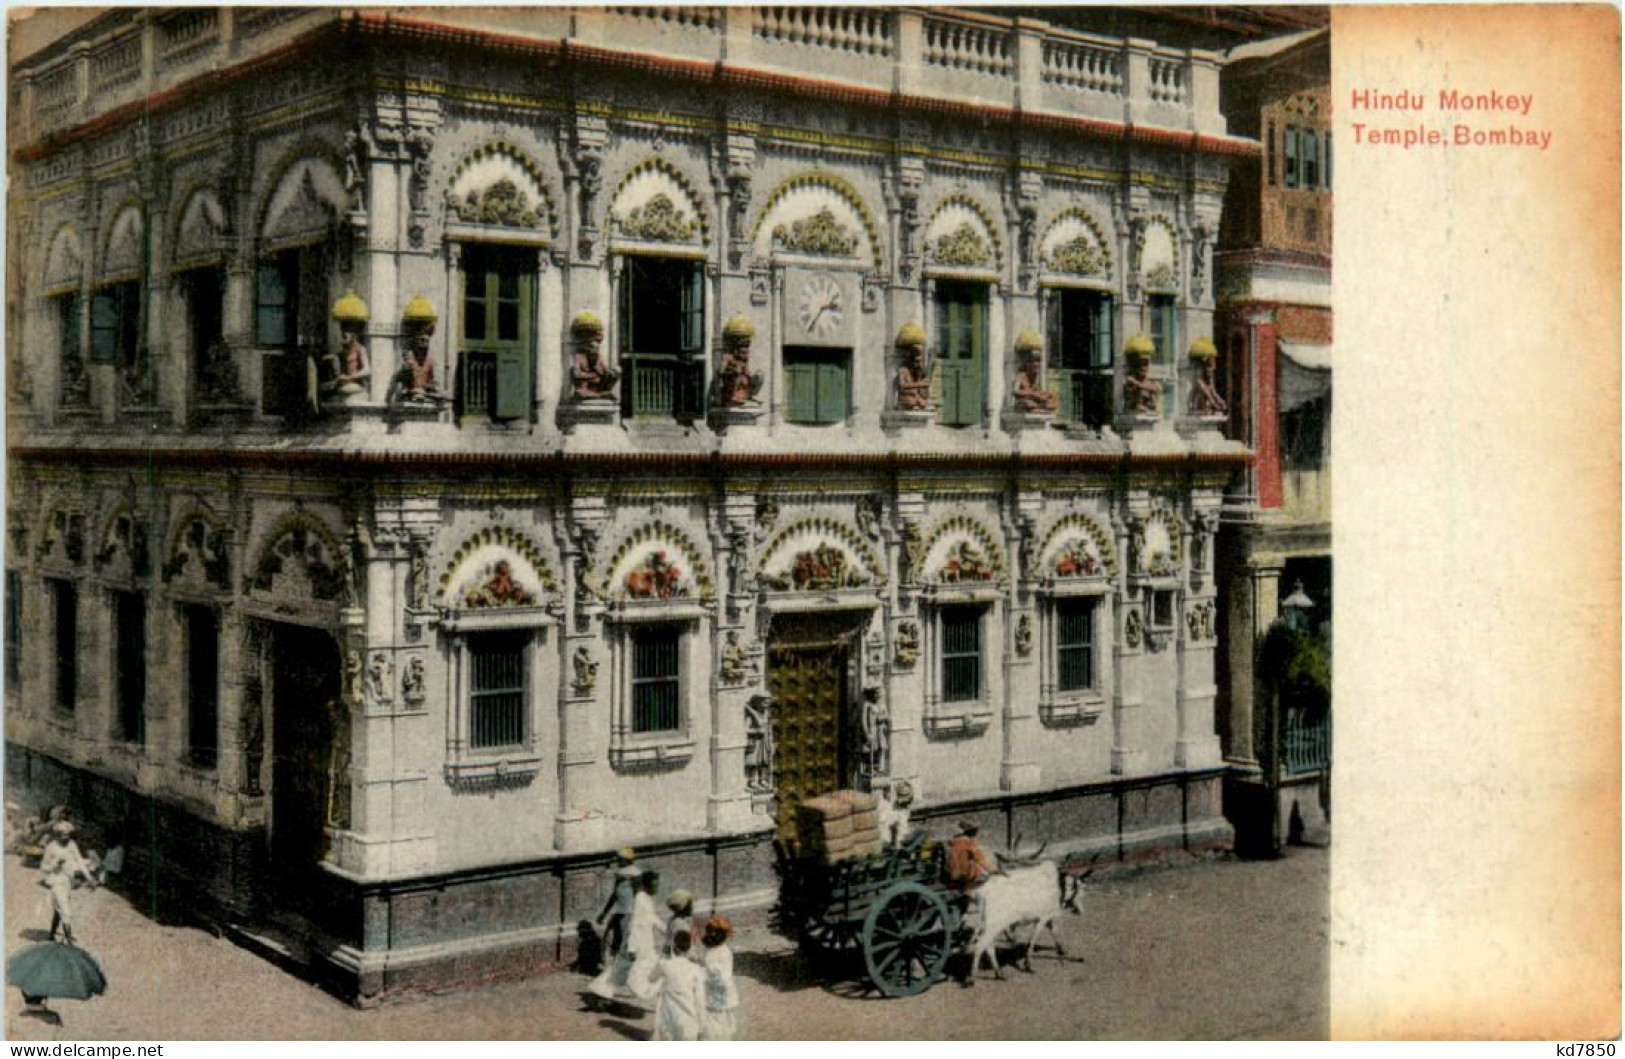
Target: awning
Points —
{"points": [[1305, 373]]}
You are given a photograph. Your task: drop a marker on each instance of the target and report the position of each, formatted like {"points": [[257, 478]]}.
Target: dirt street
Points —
{"points": [[1203, 949]]}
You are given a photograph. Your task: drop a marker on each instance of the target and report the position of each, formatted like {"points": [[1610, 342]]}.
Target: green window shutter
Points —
{"points": [[970, 409], [832, 392], [271, 306], [693, 308], [1104, 346], [801, 381], [512, 384], [68, 322], [104, 327]]}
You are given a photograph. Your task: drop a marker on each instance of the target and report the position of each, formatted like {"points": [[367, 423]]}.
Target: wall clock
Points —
{"points": [[820, 306]]}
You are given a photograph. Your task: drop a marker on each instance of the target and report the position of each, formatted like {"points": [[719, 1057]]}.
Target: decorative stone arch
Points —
{"points": [[644, 567], [61, 540], [199, 231], [1076, 244], [498, 184], [304, 201], [124, 247], [497, 566], [962, 233], [817, 555], [1159, 255], [196, 551], [123, 549], [64, 263], [1076, 546], [1160, 542], [960, 550], [820, 214], [656, 202], [303, 545]]}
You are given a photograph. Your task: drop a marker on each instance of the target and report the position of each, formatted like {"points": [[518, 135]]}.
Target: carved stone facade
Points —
{"points": [[537, 610]]}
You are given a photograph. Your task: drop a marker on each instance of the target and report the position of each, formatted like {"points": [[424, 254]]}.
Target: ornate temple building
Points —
{"points": [[448, 447], [1275, 323]]}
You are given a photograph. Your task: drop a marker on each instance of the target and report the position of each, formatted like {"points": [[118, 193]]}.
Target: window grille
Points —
{"points": [[656, 674], [961, 629], [497, 692], [1075, 644]]}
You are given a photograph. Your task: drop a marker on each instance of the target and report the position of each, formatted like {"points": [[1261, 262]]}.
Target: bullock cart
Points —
{"points": [[889, 905]]}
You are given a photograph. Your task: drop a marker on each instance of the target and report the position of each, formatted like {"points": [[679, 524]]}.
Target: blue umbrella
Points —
{"points": [[56, 969]]}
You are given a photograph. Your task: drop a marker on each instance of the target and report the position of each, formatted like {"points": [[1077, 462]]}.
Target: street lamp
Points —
{"points": [[1296, 607]]}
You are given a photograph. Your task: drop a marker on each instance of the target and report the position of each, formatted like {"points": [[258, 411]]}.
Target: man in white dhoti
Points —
{"points": [[718, 1023], [682, 993], [632, 966], [60, 865]]}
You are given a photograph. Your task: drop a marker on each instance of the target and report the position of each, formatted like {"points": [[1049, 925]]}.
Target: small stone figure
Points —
{"points": [[737, 384], [412, 680], [1031, 396], [338, 765], [354, 367], [908, 643], [758, 744], [1142, 395], [353, 675], [914, 377], [1133, 629], [417, 381], [876, 733], [417, 595], [1024, 636], [586, 669], [735, 664], [380, 677], [1205, 399], [591, 379]]}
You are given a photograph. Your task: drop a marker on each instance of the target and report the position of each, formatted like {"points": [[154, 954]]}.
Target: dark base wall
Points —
{"points": [[368, 941]]}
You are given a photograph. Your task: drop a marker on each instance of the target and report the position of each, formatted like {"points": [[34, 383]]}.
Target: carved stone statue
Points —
{"points": [[586, 669], [412, 680], [914, 377], [737, 384], [591, 378], [1205, 400], [1024, 636], [1030, 394], [417, 381], [908, 643], [759, 744], [354, 366], [876, 720], [735, 663], [1142, 395], [380, 677], [338, 764]]}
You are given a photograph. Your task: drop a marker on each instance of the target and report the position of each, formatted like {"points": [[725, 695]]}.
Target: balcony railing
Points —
{"points": [[928, 52], [1306, 739]]}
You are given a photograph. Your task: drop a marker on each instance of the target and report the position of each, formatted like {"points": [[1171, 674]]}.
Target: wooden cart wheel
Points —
{"points": [[906, 939]]}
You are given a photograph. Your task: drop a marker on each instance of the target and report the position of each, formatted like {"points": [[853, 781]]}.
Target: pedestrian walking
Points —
{"points": [[618, 909], [719, 1021], [62, 867], [633, 966], [682, 993], [681, 903]]}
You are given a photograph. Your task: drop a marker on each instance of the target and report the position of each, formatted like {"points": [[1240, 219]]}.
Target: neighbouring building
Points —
{"points": [[1274, 265], [448, 446]]}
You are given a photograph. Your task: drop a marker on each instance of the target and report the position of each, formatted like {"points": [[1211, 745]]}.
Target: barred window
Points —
{"points": [[656, 680], [1075, 644], [130, 663], [65, 617], [497, 691], [961, 653], [202, 685]]}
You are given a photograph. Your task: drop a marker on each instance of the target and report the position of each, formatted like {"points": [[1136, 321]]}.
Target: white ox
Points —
{"points": [[1033, 895]]}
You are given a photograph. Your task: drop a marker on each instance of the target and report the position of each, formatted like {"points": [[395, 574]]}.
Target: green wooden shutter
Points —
{"points": [[271, 306], [512, 384], [801, 382], [624, 336], [104, 326], [832, 391]]}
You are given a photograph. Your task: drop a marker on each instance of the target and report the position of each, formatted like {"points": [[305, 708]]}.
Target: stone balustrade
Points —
{"points": [[931, 53]]}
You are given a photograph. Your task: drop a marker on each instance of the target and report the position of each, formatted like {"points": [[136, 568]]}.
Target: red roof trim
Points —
{"points": [[376, 24]]}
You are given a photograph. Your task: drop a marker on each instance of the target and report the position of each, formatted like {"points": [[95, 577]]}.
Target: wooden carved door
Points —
{"points": [[809, 689]]}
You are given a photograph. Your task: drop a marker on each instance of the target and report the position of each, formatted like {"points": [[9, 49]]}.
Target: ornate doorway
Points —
{"points": [[304, 685], [810, 678]]}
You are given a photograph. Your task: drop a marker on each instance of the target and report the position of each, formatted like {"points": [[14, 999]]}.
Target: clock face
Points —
{"points": [[820, 306]]}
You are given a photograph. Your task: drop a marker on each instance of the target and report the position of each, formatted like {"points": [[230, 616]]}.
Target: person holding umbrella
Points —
{"points": [[61, 866]]}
